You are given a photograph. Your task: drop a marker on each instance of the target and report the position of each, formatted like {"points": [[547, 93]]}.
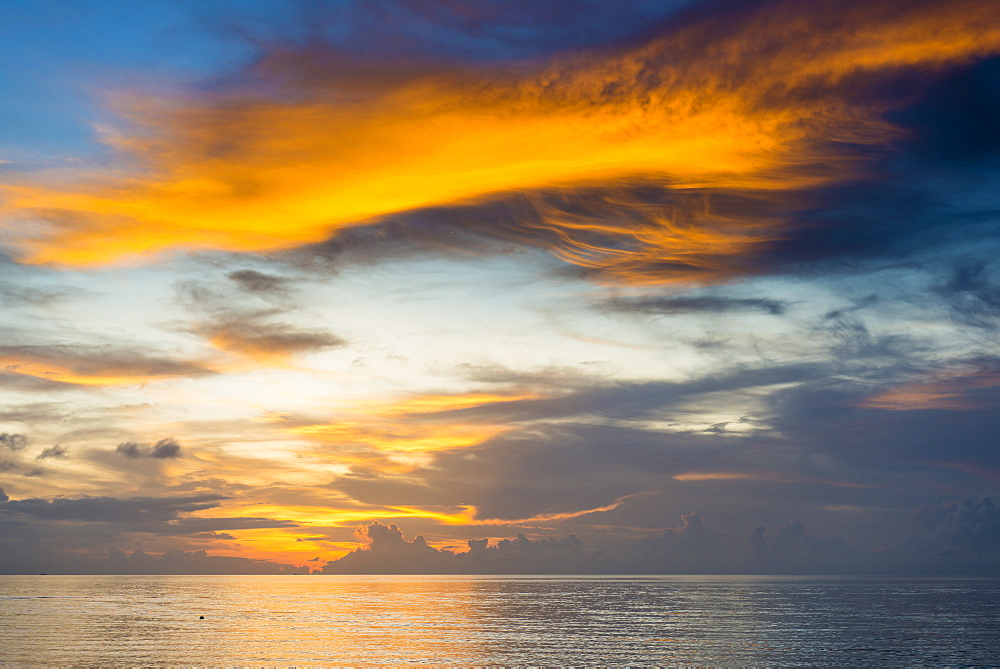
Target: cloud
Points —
{"points": [[792, 550], [267, 343], [253, 281], [633, 400], [966, 528], [928, 422], [386, 551], [12, 295], [56, 452], [703, 304], [245, 330], [55, 530], [418, 424], [93, 365], [110, 509], [163, 449], [754, 104], [957, 537], [973, 293], [690, 548], [14, 442]]}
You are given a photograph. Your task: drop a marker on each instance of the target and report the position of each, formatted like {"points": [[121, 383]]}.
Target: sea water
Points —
{"points": [[490, 620]]}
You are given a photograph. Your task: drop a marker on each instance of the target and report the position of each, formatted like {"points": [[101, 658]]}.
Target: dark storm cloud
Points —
{"points": [[164, 448], [56, 452]]}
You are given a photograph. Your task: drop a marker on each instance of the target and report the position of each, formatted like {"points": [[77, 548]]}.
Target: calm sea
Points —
{"points": [[489, 620]]}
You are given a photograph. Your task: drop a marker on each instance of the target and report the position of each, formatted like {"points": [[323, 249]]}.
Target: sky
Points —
{"points": [[499, 286]]}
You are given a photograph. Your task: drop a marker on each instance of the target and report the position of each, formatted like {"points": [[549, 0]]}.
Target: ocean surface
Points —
{"points": [[490, 620]]}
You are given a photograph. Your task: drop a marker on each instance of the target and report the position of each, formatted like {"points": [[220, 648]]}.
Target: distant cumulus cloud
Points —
{"points": [[56, 452], [970, 528], [386, 551], [163, 449], [14, 442]]}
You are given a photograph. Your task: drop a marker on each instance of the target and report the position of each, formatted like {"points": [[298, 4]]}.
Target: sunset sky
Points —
{"points": [[712, 286]]}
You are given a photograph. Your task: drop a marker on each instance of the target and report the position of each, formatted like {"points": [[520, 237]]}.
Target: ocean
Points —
{"points": [[495, 620]]}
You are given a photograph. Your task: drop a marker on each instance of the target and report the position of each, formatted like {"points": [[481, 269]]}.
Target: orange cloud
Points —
{"points": [[258, 344], [956, 393], [89, 367], [289, 544], [469, 515], [303, 150], [412, 425]]}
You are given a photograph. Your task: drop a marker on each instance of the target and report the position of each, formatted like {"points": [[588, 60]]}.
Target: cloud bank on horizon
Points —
{"points": [[527, 282]]}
